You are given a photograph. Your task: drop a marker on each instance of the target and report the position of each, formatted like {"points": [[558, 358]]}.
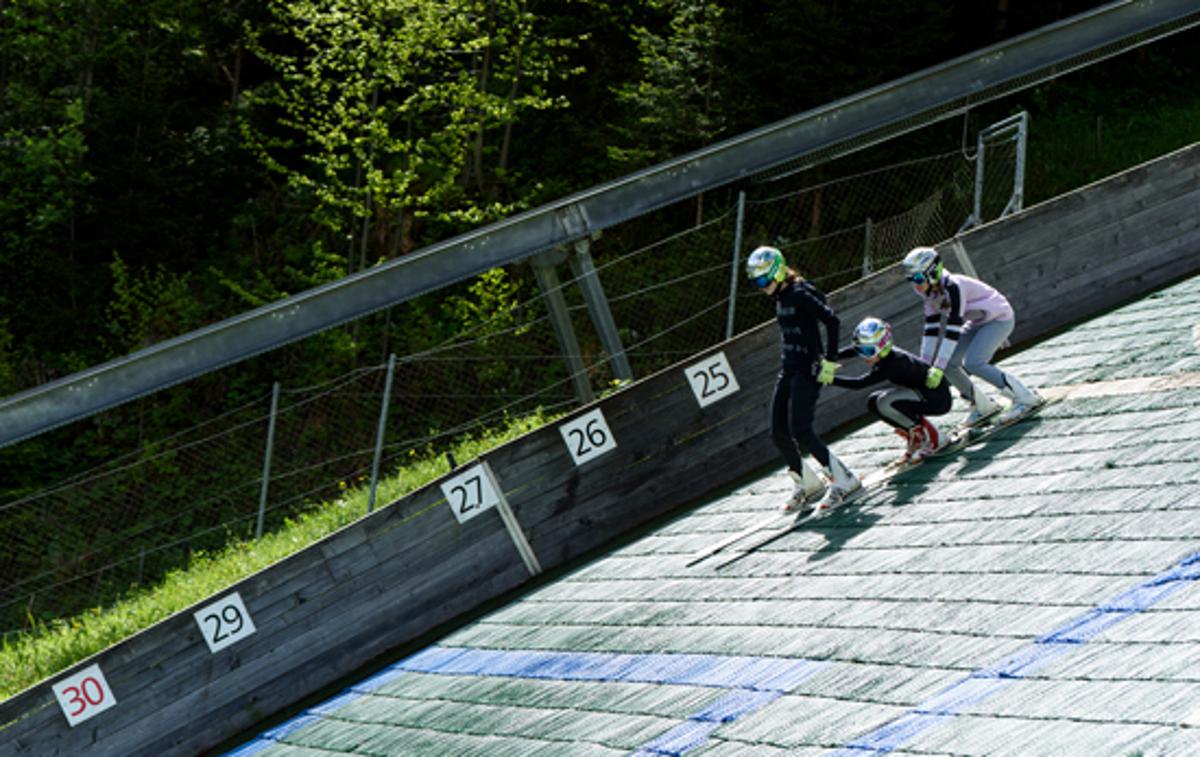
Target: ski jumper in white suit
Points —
{"points": [[978, 321]]}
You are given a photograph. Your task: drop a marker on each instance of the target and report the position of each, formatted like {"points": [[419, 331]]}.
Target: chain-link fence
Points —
{"points": [[87, 540]]}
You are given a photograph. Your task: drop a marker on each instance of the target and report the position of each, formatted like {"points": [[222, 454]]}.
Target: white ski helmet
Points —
{"points": [[873, 338], [765, 264], [923, 264]]}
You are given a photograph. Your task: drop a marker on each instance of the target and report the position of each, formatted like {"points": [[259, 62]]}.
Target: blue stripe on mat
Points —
{"points": [[753, 683], [988, 681]]}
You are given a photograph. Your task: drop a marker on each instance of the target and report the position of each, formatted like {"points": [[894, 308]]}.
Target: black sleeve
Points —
{"points": [[858, 382], [816, 307]]}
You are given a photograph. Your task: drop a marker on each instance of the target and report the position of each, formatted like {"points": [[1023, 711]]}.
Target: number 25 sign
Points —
{"points": [[83, 695], [711, 379]]}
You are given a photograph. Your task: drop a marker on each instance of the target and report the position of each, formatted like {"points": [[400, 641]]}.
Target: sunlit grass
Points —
{"points": [[49, 648]]}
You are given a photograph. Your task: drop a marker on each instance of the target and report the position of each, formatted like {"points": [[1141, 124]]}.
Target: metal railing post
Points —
{"points": [[737, 254], [266, 474], [379, 432], [868, 234], [1018, 198]]}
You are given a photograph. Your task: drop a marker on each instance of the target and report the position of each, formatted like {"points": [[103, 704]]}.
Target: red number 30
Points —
{"points": [[82, 695]]}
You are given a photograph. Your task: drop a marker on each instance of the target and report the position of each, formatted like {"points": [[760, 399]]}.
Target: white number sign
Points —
{"points": [[470, 493], [84, 695], [588, 437], [224, 622], [712, 379]]}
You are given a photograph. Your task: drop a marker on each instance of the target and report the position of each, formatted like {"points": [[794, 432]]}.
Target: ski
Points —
{"points": [[965, 436], [713, 549], [780, 524], [793, 521]]}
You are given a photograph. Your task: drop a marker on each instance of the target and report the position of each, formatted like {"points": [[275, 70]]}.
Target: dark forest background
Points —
{"points": [[167, 164]]}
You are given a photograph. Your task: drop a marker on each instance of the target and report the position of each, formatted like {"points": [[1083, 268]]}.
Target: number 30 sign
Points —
{"points": [[83, 695]]}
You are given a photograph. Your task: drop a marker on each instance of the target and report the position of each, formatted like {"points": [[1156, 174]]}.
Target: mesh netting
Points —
{"points": [[88, 539]]}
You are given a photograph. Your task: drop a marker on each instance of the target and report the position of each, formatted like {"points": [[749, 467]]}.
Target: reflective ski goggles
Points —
{"points": [[867, 350], [918, 278], [762, 281]]}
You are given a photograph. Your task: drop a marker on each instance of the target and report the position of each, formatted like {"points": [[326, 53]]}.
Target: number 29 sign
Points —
{"points": [[224, 622]]}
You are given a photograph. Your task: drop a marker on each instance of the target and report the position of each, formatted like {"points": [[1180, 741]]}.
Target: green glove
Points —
{"points": [[933, 378], [825, 375]]}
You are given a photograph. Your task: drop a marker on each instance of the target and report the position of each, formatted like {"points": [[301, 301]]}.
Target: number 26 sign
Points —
{"points": [[588, 437]]}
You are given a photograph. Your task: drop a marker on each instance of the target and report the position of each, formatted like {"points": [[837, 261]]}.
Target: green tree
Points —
{"points": [[675, 101], [395, 118]]}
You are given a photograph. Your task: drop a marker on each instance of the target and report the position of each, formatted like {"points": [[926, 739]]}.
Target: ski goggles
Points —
{"points": [[918, 278], [762, 281], [867, 350]]}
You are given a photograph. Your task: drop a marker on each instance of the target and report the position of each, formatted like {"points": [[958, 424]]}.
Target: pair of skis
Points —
{"points": [[778, 524]]}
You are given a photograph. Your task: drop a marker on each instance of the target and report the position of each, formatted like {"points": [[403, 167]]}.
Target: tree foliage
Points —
{"points": [[167, 164], [393, 120]]}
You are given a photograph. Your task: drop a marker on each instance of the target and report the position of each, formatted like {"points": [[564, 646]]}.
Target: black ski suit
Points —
{"points": [[799, 307], [904, 405]]}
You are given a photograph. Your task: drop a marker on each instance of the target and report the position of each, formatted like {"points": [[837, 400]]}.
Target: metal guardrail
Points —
{"points": [[835, 129]]}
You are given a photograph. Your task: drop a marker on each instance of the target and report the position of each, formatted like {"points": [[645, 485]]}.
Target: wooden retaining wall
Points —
{"points": [[394, 575]]}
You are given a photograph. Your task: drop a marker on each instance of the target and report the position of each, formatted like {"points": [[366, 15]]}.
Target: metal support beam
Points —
{"points": [[560, 318], [597, 304], [838, 128]]}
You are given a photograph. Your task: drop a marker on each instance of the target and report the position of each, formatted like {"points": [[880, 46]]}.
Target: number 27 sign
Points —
{"points": [[471, 492]]}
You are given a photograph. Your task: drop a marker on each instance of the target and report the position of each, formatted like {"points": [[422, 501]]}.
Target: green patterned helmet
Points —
{"points": [[765, 264]]}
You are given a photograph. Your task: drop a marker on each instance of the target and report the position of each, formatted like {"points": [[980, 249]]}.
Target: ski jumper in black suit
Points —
{"points": [[903, 406], [799, 307]]}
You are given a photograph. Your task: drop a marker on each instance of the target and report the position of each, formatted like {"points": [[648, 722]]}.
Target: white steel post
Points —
{"points": [[266, 474], [379, 433], [737, 254]]}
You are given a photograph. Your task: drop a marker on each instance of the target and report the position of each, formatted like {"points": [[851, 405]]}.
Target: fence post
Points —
{"points": [[266, 475], [869, 233], [383, 410], [737, 254]]}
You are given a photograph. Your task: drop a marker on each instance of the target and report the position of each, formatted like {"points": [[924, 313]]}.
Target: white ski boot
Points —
{"points": [[1021, 406], [982, 410], [842, 484], [808, 486]]}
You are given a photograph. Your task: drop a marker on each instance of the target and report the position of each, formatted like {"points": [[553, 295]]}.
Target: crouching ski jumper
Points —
{"points": [[978, 321], [906, 406], [799, 306]]}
